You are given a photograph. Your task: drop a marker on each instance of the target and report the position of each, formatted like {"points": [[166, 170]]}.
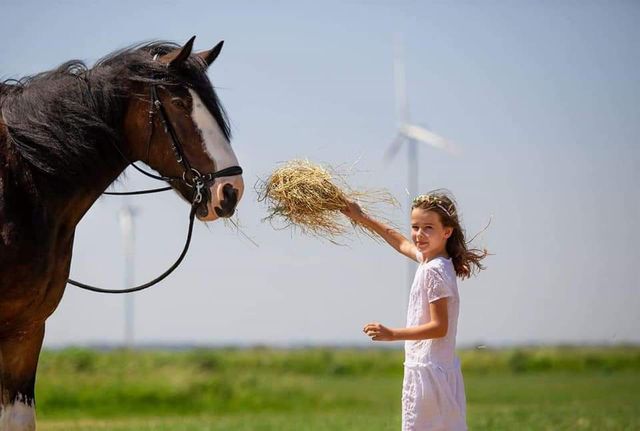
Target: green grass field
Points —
{"points": [[329, 389]]}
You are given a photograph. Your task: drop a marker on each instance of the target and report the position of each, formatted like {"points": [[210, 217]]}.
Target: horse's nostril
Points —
{"points": [[229, 192], [228, 202]]}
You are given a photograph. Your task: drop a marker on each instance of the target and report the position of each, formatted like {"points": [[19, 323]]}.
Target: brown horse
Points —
{"points": [[65, 136]]}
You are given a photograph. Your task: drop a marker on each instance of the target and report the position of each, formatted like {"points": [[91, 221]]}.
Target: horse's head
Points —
{"points": [[176, 124]]}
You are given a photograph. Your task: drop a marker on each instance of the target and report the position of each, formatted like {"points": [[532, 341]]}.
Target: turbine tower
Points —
{"points": [[126, 217], [410, 134]]}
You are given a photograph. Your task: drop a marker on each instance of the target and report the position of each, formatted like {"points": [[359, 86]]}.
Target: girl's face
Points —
{"points": [[428, 233]]}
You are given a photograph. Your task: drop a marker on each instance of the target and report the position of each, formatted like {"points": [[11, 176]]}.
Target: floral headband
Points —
{"points": [[433, 201]]}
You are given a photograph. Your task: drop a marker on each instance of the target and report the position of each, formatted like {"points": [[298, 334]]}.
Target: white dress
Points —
{"points": [[433, 391]]}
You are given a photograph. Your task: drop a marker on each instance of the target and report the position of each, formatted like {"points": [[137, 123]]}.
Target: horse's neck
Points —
{"points": [[69, 156], [71, 207], [34, 201]]}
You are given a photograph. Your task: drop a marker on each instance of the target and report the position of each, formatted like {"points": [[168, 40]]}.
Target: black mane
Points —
{"points": [[65, 122]]}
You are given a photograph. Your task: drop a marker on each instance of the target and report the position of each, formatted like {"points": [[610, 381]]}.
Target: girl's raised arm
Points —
{"points": [[395, 239]]}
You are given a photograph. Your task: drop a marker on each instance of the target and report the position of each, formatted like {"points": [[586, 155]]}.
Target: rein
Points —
{"points": [[190, 177]]}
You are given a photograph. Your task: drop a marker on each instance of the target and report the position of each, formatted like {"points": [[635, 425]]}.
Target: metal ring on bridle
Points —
{"points": [[197, 176]]}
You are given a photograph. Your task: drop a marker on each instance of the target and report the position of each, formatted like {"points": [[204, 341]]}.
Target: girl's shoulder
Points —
{"points": [[439, 263], [441, 266], [438, 278]]}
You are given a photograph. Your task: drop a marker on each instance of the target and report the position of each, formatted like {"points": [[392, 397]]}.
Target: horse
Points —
{"points": [[65, 136]]}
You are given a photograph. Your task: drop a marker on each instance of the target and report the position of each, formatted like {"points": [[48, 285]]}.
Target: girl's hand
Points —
{"points": [[378, 332], [353, 211]]}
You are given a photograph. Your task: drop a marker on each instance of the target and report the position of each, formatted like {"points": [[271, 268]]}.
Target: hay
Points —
{"points": [[309, 197]]}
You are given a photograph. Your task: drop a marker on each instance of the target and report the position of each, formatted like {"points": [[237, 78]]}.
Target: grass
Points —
{"points": [[329, 389]]}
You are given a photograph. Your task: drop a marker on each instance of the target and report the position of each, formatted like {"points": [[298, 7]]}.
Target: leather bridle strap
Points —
{"points": [[155, 280], [176, 145]]}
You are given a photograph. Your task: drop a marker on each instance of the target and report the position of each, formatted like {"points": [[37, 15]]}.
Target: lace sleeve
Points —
{"points": [[437, 288]]}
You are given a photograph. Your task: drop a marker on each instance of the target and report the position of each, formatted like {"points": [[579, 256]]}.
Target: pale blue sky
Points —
{"points": [[542, 97]]}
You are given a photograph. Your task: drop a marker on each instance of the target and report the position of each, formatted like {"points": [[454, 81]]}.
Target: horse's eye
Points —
{"points": [[179, 103]]}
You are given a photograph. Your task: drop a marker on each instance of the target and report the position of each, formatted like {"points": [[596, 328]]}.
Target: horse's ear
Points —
{"points": [[184, 53], [211, 55]]}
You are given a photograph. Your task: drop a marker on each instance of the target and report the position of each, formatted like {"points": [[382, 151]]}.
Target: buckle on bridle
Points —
{"points": [[198, 194]]}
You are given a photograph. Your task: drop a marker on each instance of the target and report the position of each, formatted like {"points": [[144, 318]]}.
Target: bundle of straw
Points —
{"points": [[308, 196]]}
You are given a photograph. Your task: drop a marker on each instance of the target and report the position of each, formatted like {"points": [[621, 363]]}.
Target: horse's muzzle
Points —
{"points": [[222, 198], [228, 203]]}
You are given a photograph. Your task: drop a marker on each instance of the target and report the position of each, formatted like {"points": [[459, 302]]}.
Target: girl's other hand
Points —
{"points": [[378, 332], [353, 211]]}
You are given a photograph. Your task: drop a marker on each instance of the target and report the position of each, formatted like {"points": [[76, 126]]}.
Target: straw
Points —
{"points": [[309, 197]]}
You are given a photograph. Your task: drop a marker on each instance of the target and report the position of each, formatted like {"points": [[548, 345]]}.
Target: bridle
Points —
{"points": [[191, 177]]}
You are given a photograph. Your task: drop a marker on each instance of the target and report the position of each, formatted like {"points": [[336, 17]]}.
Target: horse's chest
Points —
{"points": [[32, 280]]}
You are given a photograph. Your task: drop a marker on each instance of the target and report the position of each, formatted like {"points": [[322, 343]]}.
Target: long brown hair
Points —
{"points": [[466, 261]]}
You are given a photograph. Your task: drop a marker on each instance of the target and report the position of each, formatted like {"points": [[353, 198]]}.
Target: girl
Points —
{"points": [[432, 391]]}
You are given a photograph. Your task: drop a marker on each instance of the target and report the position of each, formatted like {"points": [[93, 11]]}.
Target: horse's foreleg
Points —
{"points": [[18, 362]]}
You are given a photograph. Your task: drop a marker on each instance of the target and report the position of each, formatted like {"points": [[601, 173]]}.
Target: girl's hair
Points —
{"points": [[466, 261]]}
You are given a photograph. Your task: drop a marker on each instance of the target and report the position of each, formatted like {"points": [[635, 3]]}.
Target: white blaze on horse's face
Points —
{"points": [[18, 416], [219, 150]]}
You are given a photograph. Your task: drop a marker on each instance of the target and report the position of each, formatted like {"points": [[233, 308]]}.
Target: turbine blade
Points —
{"points": [[393, 148], [421, 134]]}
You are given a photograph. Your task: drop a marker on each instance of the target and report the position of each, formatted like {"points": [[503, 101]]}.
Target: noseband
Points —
{"points": [[191, 177]]}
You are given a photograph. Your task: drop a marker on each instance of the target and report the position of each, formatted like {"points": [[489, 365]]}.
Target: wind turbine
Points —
{"points": [[410, 134]]}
